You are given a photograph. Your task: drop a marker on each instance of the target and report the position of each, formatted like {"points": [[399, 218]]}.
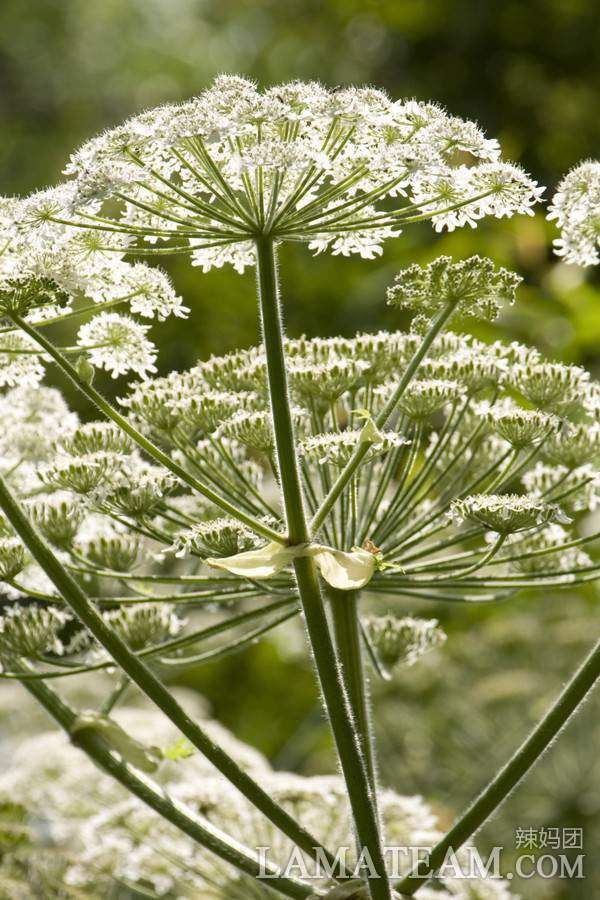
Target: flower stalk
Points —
{"points": [[500, 787], [145, 789], [334, 691], [145, 679], [349, 644]]}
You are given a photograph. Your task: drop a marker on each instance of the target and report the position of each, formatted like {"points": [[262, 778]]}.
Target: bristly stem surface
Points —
{"points": [[511, 774], [349, 643], [334, 692], [153, 795], [145, 679], [155, 453]]}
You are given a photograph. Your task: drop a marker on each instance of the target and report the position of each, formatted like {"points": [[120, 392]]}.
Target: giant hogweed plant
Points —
{"points": [[332, 480]]}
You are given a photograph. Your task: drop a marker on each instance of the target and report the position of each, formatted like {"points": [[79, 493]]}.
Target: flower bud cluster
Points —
{"points": [[403, 640], [474, 286], [482, 438]]}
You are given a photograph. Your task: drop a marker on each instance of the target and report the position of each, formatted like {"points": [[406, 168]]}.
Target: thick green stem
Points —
{"points": [[153, 795], [334, 693], [348, 639], [151, 449], [145, 679], [511, 774]]}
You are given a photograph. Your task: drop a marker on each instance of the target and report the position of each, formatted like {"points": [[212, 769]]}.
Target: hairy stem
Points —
{"points": [[511, 774], [348, 638], [145, 679], [153, 795], [150, 448], [334, 692]]}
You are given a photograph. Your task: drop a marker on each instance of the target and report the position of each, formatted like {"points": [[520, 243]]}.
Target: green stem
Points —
{"points": [[145, 679], [511, 774], [327, 665], [149, 792], [151, 449], [381, 420], [346, 626]]}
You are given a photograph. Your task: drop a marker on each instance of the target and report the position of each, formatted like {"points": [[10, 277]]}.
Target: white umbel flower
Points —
{"points": [[118, 344], [575, 208], [145, 623], [30, 631], [505, 513], [402, 640], [296, 161], [223, 536], [20, 361], [337, 448]]}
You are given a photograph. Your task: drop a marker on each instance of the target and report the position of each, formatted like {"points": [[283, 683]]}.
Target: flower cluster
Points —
{"points": [[422, 465], [404, 639], [575, 208], [297, 161], [118, 344], [47, 271], [484, 438], [474, 285]]}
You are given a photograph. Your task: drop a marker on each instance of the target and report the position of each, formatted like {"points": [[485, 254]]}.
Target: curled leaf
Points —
{"points": [[261, 563], [344, 571], [145, 758]]}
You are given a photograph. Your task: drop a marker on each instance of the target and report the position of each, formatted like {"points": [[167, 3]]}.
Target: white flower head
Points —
{"points": [[575, 208], [545, 551], [13, 558], [505, 513], [118, 344], [20, 361], [223, 536], [296, 161], [402, 640], [145, 623], [336, 448], [29, 631], [58, 516], [521, 427], [425, 396]]}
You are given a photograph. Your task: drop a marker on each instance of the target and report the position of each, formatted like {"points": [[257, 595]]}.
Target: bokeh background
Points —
{"points": [[530, 74]]}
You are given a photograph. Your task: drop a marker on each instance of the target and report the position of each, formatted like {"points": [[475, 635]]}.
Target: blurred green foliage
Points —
{"points": [[529, 73]]}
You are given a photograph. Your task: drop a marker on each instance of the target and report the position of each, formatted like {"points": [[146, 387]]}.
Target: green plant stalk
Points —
{"points": [[499, 788], [154, 796], [145, 679], [151, 449], [381, 420], [327, 664], [349, 643]]}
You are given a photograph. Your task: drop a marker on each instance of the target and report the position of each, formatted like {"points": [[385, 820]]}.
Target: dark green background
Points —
{"points": [[529, 73]]}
